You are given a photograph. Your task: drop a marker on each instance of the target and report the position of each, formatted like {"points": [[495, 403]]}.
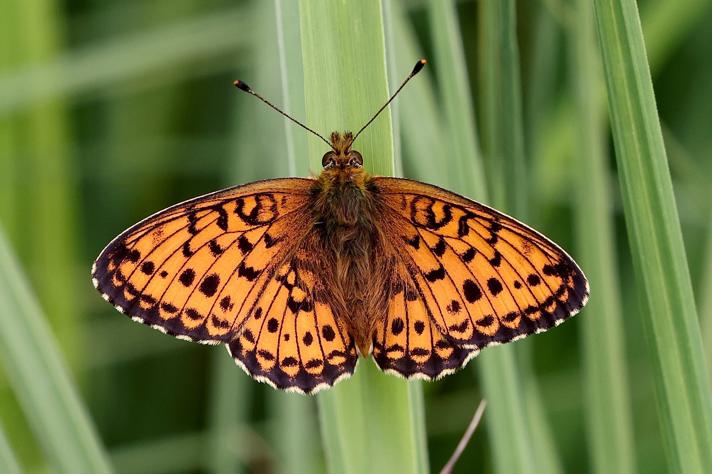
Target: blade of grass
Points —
{"points": [[511, 426], [447, 469], [230, 402], [48, 241], [503, 137], [422, 131], [292, 81], [367, 422], [705, 295], [542, 85], [392, 71], [656, 240], [665, 26], [8, 162], [37, 162], [37, 373], [608, 411], [465, 166], [8, 461]]}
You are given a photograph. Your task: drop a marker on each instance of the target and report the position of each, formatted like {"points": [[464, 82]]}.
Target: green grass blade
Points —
{"points": [[230, 402], [465, 166], [422, 131], [542, 89], [292, 81], [510, 423], [506, 414], [50, 239], [705, 294], [609, 421], [40, 379], [670, 317], [503, 137], [666, 25], [393, 74], [367, 422], [8, 461]]}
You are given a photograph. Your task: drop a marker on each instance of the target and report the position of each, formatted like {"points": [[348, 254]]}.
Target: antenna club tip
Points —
{"points": [[419, 65], [241, 85]]}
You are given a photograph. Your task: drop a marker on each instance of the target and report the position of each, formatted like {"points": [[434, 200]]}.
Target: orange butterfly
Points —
{"points": [[298, 277]]}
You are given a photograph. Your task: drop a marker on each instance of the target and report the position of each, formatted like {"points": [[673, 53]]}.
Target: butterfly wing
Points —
{"points": [[407, 342], [225, 268], [195, 269], [481, 277], [294, 341]]}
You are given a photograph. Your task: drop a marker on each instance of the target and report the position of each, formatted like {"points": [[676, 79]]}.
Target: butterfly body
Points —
{"points": [[346, 216], [299, 276]]}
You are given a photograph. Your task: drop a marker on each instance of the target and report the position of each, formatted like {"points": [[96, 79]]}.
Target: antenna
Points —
{"points": [[244, 87], [416, 69]]}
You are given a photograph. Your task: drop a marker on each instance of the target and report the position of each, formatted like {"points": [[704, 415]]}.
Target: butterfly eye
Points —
{"points": [[328, 160], [355, 159]]}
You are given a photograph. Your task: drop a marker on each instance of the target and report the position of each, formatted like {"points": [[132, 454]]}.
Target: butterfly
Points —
{"points": [[298, 277]]}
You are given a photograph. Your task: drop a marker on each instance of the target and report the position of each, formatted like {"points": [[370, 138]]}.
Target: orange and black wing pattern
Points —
{"points": [[221, 269], [408, 343], [193, 270], [481, 277], [293, 340]]}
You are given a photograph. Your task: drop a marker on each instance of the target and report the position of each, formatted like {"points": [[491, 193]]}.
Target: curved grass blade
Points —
{"points": [[421, 127], [705, 294], [465, 167], [655, 236], [510, 424], [608, 411], [40, 379]]}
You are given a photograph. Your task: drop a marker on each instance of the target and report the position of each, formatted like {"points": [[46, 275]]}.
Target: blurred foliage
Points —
{"points": [[112, 110]]}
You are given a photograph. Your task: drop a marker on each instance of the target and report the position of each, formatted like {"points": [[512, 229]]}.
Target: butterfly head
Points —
{"points": [[341, 155]]}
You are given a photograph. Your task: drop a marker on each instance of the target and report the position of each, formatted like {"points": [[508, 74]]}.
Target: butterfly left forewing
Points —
{"points": [[484, 277], [192, 270]]}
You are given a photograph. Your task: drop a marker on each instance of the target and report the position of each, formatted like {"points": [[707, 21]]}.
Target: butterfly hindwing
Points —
{"points": [[193, 270], [293, 340], [482, 276], [407, 343]]}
